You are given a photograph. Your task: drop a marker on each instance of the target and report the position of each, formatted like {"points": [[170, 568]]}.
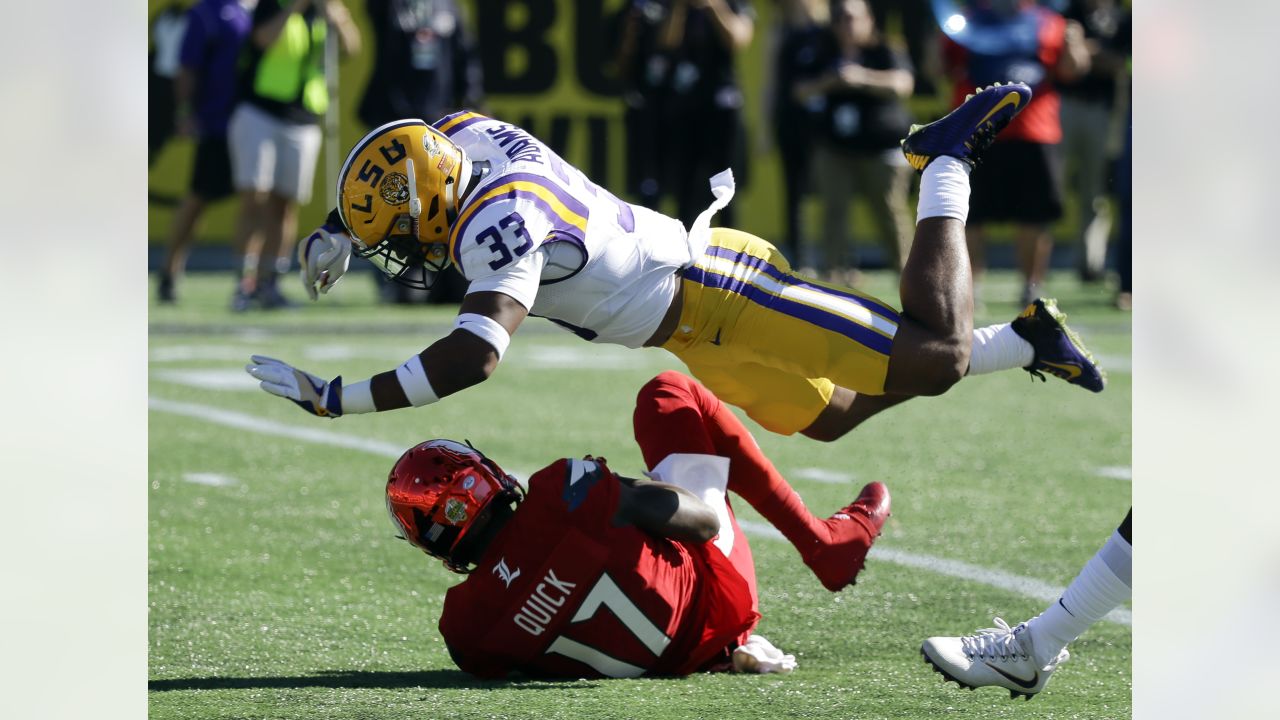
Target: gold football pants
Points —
{"points": [[775, 343]]}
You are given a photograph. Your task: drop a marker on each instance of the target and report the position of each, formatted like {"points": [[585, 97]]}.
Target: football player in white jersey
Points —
{"points": [[534, 235]]}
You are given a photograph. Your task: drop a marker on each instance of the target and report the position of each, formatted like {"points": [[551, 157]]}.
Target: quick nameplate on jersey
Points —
{"points": [[579, 477], [543, 603]]}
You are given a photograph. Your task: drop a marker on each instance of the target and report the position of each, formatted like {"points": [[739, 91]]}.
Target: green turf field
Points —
{"points": [[277, 589]]}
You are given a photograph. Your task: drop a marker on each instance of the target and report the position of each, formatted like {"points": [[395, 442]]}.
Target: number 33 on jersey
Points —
{"points": [[532, 198]]}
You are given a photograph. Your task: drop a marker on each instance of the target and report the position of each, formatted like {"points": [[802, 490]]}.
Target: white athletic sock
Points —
{"points": [[998, 347], [1104, 583], [944, 190]]}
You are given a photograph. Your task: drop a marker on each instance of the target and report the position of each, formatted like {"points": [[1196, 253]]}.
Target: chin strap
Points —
{"points": [[415, 202], [450, 201]]}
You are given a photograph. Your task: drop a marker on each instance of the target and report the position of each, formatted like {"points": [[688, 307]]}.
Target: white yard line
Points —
{"points": [[185, 353], [241, 353], [1115, 472], [213, 479], [248, 422], [1030, 587], [829, 477], [532, 355], [219, 379]]}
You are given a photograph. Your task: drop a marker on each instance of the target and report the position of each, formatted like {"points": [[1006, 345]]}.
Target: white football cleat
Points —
{"points": [[1000, 656]]}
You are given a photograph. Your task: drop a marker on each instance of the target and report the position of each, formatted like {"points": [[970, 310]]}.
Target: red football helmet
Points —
{"points": [[442, 495]]}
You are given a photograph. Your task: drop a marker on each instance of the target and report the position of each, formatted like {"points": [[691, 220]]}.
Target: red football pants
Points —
{"points": [[676, 414]]}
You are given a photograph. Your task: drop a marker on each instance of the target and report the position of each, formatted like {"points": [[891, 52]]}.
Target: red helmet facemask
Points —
{"points": [[442, 494]]}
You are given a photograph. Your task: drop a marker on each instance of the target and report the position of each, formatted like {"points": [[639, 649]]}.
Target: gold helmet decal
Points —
{"points": [[398, 196], [394, 189]]}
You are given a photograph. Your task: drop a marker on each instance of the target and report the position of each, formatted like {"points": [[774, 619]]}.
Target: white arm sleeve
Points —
{"points": [[413, 380], [485, 328]]}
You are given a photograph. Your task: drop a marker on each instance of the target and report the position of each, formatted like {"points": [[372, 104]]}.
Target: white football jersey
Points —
{"points": [[538, 230]]}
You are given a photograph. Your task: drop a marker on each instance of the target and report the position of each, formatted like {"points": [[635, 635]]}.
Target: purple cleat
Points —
{"points": [[967, 131], [1058, 349]]}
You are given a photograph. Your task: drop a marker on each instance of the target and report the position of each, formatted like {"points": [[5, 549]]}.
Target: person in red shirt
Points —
{"points": [[1020, 178], [593, 574]]}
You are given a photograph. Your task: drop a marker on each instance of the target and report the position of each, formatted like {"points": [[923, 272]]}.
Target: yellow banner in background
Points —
{"points": [[548, 68]]}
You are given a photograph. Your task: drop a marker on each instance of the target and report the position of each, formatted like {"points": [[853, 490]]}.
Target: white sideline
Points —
{"points": [[248, 422], [212, 479], [1030, 587], [1115, 472], [822, 475]]}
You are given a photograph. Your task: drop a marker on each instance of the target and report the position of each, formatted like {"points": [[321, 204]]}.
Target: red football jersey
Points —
{"points": [[563, 592]]}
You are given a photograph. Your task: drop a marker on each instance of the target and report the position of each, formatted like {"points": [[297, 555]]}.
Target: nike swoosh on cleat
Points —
{"points": [[1072, 371], [1011, 99], [1027, 684]]}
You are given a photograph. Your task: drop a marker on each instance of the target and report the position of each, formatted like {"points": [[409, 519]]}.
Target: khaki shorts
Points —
{"points": [[271, 155]]}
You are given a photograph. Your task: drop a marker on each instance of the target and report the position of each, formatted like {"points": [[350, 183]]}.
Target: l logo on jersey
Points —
{"points": [[504, 572]]}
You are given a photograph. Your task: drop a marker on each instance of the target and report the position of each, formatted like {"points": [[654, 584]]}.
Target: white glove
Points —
{"points": [[758, 655], [324, 256], [305, 390]]}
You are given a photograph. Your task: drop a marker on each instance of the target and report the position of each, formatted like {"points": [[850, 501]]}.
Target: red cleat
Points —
{"points": [[872, 503], [853, 530]]}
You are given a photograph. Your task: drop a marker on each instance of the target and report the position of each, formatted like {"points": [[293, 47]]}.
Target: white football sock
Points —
{"points": [[998, 347], [944, 190], [1105, 582]]}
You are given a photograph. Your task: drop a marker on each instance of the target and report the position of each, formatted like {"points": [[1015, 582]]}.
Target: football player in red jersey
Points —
{"points": [[558, 572]]}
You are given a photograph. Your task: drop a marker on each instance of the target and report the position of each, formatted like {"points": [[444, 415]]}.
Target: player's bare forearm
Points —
{"points": [[889, 84], [735, 30], [184, 87], [454, 362], [266, 34], [1074, 61], [458, 360], [348, 34], [665, 510], [672, 32]]}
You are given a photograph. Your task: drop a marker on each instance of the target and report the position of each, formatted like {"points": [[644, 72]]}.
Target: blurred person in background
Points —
{"points": [[643, 70], [1020, 180], [863, 90], [425, 66], [800, 40], [703, 120], [204, 92], [1091, 110], [274, 134], [919, 31], [162, 67], [1124, 228]]}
